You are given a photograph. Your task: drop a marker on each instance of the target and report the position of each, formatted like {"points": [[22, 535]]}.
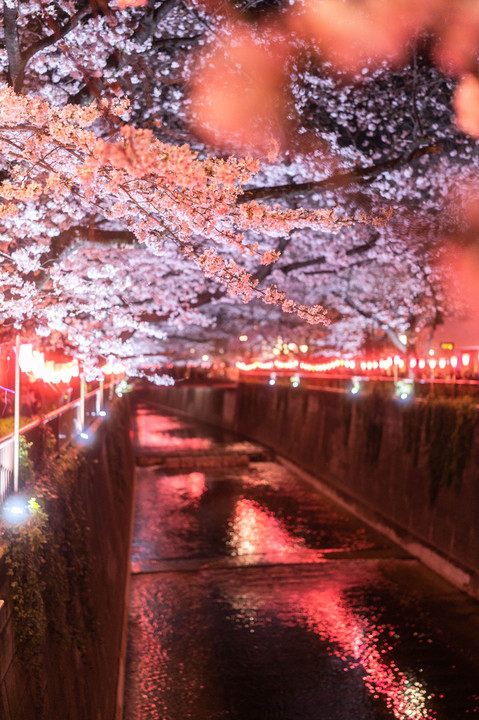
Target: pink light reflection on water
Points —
{"points": [[358, 643], [355, 640], [255, 531]]}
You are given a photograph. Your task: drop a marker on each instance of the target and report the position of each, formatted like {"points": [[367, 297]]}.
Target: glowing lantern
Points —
{"points": [[412, 363], [38, 364], [432, 363], [422, 364], [442, 363], [25, 358], [49, 372], [466, 358], [453, 361]]}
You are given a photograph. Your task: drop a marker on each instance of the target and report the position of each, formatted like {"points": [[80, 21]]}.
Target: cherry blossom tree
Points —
{"points": [[326, 193]]}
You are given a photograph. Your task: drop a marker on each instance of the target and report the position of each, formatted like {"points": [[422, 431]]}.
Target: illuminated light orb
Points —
{"points": [[442, 363], [205, 358], [466, 359], [422, 364], [453, 361], [412, 362], [15, 509], [303, 348], [243, 338]]}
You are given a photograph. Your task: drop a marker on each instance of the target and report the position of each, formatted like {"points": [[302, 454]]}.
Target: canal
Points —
{"points": [[253, 597]]}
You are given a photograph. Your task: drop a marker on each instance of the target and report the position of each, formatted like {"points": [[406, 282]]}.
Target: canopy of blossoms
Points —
{"points": [[174, 175]]}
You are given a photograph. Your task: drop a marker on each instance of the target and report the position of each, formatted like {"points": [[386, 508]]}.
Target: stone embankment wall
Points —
{"points": [[409, 469], [77, 674]]}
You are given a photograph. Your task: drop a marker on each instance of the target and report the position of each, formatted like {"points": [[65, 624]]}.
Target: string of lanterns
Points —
{"points": [[33, 363], [383, 364]]}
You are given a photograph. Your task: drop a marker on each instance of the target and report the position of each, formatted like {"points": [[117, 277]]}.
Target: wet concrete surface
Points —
{"points": [[255, 598]]}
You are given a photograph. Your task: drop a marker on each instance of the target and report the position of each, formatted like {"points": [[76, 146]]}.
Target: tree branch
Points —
{"points": [[357, 250], [357, 176], [59, 32], [16, 66]]}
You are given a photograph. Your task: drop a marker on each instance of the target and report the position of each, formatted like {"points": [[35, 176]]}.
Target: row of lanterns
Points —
{"points": [[34, 364], [385, 364]]}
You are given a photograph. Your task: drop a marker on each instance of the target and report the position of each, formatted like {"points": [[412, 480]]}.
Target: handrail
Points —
{"points": [[51, 415], [7, 441]]}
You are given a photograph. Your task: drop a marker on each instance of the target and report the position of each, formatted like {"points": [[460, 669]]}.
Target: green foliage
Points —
{"points": [[445, 429], [25, 465], [67, 559], [22, 545], [7, 423], [48, 558]]}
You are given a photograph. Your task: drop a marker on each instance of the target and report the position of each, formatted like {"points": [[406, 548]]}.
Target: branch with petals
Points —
{"points": [[18, 59], [360, 176]]}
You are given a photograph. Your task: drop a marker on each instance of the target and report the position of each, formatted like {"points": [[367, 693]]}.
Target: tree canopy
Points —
{"points": [[174, 174]]}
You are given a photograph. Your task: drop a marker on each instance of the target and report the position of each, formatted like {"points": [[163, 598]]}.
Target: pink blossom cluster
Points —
{"points": [[164, 194]]}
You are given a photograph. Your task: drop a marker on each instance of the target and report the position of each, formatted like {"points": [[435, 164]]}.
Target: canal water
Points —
{"points": [[253, 597]]}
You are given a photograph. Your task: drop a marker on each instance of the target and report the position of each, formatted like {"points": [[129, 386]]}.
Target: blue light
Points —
{"points": [[84, 435], [15, 509]]}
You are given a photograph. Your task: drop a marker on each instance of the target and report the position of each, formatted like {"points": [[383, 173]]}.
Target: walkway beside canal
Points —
{"points": [[253, 597]]}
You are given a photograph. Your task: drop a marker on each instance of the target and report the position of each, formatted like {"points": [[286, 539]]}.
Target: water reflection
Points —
{"points": [[254, 530], [358, 641]]}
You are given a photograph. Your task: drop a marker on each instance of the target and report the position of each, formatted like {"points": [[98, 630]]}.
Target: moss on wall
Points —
{"points": [[62, 618], [444, 429]]}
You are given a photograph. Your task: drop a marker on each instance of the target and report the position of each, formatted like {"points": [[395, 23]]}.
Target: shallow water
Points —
{"points": [[255, 598]]}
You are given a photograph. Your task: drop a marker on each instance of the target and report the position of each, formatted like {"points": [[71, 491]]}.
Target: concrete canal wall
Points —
{"points": [[64, 658], [410, 470]]}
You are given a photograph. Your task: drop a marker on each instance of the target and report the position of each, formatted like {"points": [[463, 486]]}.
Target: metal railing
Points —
{"points": [[64, 423]]}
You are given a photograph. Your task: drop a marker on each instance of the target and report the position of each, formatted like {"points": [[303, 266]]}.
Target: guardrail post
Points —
{"points": [[82, 402], [99, 398], [16, 425]]}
